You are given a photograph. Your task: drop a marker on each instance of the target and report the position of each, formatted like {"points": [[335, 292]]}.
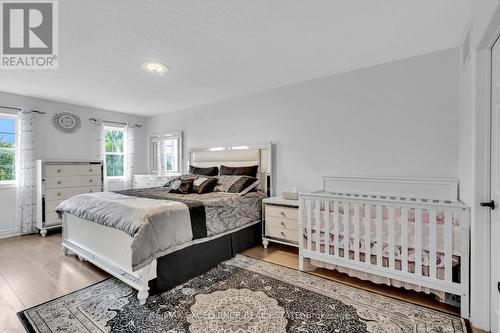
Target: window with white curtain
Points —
{"points": [[114, 152], [8, 138]]}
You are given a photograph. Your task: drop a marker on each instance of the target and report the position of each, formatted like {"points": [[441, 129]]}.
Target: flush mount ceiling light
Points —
{"points": [[155, 67]]}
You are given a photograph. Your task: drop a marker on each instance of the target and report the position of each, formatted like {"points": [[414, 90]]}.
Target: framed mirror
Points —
{"points": [[166, 153]]}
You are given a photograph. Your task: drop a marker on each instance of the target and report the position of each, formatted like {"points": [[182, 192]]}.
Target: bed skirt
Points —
{"points": [[180, 266]]}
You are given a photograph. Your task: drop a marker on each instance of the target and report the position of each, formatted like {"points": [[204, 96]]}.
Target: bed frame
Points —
{"points": [[109, 248], [370, 197]]}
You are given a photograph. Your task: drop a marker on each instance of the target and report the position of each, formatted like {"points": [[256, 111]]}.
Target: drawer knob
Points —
{"points": [[282, 234], [59, 170], [59, 194], [283, 214], [91, 191], [90, 170], [59, 182], [282, 223], [90, 180]]}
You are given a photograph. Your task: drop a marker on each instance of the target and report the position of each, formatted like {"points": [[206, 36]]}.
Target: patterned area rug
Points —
{"points": [[240, 295]]}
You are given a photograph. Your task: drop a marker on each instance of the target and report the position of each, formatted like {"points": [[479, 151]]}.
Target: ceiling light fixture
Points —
{"points": [[155, 67]]}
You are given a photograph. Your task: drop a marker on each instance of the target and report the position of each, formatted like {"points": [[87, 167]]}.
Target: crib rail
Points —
{"points": [[418, 241]]}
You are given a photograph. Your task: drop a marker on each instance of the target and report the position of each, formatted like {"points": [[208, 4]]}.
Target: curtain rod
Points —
{"points": [[19, 109], [115, 122]]}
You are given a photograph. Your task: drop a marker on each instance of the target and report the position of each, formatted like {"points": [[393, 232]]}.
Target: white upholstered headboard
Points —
{"points": [[234, 156]]}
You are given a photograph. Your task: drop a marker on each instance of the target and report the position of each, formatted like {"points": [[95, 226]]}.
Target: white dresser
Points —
{"points": [[145, 181], [61, 180], [281, 221]]}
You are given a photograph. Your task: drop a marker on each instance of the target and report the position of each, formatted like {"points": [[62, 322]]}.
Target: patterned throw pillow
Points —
{"points": [[250, 171], [184, 185], [211, 171], [236, 184], [204, 184]]}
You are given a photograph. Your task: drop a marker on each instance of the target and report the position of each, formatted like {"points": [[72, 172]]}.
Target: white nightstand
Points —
{"points": [[280, 221]]}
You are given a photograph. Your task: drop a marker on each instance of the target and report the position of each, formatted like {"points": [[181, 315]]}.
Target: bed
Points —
{"points": [[153, 240], [411, 233]]}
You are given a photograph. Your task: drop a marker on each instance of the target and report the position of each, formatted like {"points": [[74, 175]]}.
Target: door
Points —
{"points": [[495, 187]]}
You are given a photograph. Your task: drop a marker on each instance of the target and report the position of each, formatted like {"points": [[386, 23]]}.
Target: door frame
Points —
{"points": [[482, 286]]}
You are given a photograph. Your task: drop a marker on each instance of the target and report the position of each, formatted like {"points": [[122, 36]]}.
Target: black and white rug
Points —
{"points": [[240, 295]]}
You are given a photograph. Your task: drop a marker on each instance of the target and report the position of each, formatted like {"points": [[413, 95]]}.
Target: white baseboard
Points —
{"points": [[9, 233]]}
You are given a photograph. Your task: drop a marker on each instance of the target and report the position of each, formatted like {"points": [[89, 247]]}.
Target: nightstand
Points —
{"points": [[280, 221]]}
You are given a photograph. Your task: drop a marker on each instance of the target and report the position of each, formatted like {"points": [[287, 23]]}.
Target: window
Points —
{"points": [[8, 128], [114, 151], [166, 153]]}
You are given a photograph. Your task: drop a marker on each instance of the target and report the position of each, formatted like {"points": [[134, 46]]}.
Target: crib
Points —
{"points": [[412, 230]]}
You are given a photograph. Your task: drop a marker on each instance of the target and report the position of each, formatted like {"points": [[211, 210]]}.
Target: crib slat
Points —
{"points": [[356, 232], [432, 243], [379, 236], [336, 231], [347, 219], [391, 238], [368, 234], [309, 223], [418, 241], [404, 239], [448, 245], [326, 235], [318, 224]]}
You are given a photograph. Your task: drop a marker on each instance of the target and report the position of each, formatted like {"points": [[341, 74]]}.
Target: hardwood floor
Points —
{"points": [[33, 270]]}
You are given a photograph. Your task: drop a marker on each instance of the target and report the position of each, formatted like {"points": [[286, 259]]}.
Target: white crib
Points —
{"points": [[399, 224]]}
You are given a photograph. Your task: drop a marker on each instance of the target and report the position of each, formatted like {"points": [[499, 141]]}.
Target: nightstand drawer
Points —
{"points": [[282, 212], [280, 222], [282, 233]]}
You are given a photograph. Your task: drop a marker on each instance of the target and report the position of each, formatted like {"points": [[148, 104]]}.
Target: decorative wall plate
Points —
{"points": [[67, 121]]}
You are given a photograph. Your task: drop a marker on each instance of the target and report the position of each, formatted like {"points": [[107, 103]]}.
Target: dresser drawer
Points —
{"points": [[72, 181], [72, 170], [50, 206], [66, 193], [282, 233], [280, 222], [282, 212], [144, 182]]}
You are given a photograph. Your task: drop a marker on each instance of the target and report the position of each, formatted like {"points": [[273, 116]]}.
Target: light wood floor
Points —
{"points": [[33, 270]]}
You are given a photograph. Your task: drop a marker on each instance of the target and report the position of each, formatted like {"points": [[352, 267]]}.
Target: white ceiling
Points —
{"points": [[220, 49]]}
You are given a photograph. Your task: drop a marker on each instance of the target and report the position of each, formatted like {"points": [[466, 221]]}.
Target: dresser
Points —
{"points": [[280, 221], [145, 181], [57, 181]]}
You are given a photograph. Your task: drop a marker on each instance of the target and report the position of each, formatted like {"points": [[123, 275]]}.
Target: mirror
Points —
{"points": [[166, 153]]}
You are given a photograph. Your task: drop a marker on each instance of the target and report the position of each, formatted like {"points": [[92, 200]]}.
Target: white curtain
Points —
{"points": [[25, 174], [100, 149], [129, 155]]}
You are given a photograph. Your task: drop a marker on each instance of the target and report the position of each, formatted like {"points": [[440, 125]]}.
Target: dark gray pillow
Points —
{"points": [[182, 186], [235, 184], [203, 184], [210, 171], [250, 171]]}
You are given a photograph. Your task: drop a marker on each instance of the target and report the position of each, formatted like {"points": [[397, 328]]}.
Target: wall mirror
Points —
{"points": [[166, 153]]}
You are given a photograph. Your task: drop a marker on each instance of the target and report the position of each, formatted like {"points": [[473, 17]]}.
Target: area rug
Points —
{"points": [[240, 295]]}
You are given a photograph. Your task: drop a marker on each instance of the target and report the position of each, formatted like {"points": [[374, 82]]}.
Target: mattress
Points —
{"points": [[159, 221]]}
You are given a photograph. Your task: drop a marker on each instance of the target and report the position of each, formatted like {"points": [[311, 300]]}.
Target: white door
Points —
{"points": [[495, 187]]}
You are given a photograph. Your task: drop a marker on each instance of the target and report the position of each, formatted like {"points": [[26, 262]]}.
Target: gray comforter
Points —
{"points": [[160, 222]]}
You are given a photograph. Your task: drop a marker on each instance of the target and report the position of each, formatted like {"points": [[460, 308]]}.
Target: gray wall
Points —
{"points": [[55, 145], [396, 119]]}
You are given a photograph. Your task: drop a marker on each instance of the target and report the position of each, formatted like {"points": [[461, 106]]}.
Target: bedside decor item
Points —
{"points": [[66, 121]]}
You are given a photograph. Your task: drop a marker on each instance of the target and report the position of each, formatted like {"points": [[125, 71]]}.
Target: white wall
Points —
{"points": [[51, 144], [396, 119], [474, 160]]}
